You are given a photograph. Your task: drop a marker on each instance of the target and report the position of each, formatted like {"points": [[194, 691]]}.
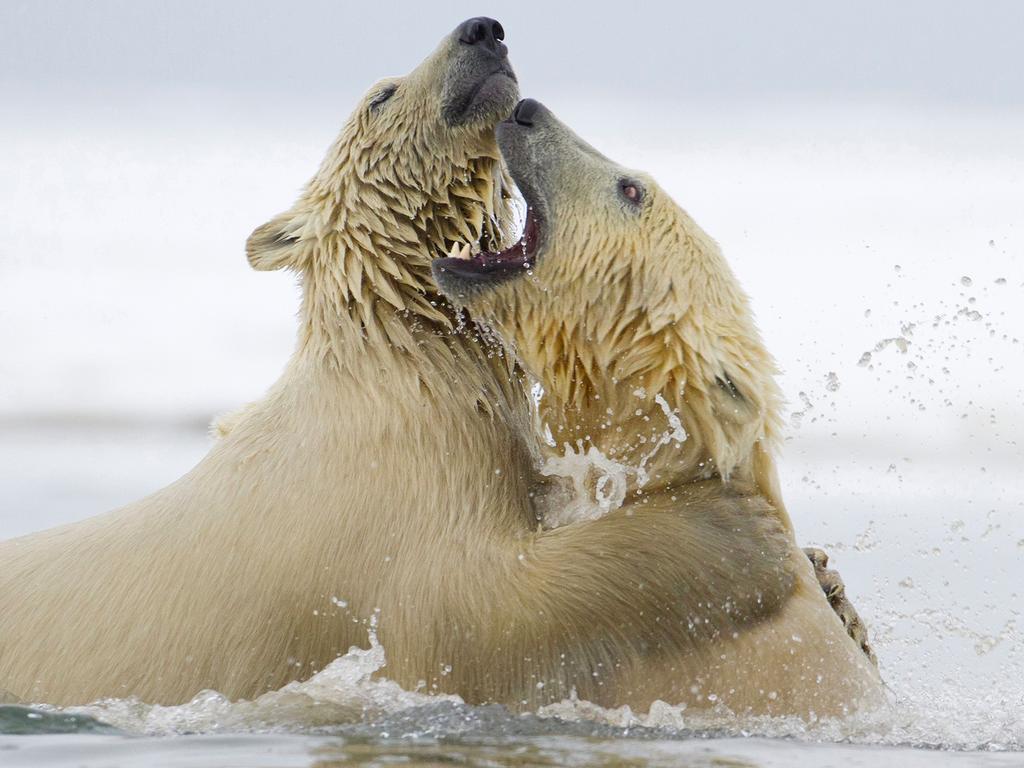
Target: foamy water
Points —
{"points": [[349, 714], [353, 695], [952, 664], [594, 483]]}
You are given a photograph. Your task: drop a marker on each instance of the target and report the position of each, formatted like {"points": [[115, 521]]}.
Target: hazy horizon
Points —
{"points": [[914, 51]]}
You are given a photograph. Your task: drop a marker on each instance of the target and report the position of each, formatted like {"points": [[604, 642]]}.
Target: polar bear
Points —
{"points": [[387, 475], [645, 346], [363, 477]]}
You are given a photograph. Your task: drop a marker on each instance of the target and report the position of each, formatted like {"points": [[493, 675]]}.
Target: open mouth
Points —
{"points": [[469, 263]]}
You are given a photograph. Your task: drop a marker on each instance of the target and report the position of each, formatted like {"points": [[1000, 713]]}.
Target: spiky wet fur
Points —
{"points": [[630, 317], [625, 319], [388, 472], [374, 437]]}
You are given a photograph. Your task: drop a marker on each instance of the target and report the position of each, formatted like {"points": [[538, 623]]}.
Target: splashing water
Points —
{"points": [[675, 433], [598, 484], [345, 691], [936, 545], [346, 699]]}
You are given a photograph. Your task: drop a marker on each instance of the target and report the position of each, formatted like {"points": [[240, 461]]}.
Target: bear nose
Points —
{"points": [[524, 111], [482, 31]]}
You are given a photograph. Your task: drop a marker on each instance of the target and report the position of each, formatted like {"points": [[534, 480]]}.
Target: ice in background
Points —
{"points": [[862, 167]]}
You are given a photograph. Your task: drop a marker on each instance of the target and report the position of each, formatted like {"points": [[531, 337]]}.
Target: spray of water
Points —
{"points": [[598, 484]]}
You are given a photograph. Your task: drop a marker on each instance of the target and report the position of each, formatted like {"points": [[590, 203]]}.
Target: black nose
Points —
{"points": [[482, 31], [525, 110]]}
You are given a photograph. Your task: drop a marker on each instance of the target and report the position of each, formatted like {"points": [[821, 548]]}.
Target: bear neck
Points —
{"points": [[371, 320], [381, 353], [692, 365], [366, 281], [668, 427]]}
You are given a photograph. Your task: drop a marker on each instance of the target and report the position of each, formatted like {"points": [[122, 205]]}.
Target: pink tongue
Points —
{"points": [[514, 251], [517, 250]]}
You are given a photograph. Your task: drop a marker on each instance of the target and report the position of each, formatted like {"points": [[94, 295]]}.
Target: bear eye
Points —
{"points": [[382, 96], [632, 191]]}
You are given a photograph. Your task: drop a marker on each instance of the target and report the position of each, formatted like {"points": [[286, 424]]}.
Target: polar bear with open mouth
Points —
{"points": [[644, 343]]}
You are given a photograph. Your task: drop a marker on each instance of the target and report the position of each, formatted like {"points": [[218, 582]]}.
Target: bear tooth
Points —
{"points": [[466, 252], [454, 252]]}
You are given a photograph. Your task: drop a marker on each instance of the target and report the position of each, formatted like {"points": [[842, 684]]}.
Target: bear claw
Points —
{"points": [[835, 591]]}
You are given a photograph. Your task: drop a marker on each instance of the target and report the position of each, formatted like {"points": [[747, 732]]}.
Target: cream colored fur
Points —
{"points": [[639, 309], [631, 309], [370, 464], [388, 471]]}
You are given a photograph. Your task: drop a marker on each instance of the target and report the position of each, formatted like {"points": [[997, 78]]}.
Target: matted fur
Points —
{"points": [[369, 464], [633, 313], [388, 472], [631, 319]]}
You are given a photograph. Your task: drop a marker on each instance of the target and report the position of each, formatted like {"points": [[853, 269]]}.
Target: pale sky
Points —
{"points": [[913, 50]]}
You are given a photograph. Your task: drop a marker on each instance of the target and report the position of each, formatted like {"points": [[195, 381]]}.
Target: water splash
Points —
{"points": [[346, 691], [675, 433], [942, 720], [350, 698], [599, 484]]}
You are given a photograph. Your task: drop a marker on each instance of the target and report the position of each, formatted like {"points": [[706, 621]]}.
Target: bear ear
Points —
{"points": [[276, 244]]}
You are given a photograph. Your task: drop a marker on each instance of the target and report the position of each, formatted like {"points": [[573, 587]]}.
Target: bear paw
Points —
{"points": [[835, 591]]}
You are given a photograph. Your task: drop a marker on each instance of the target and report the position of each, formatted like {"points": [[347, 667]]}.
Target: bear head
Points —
{"points": [[627, 314], [415, 170]]}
